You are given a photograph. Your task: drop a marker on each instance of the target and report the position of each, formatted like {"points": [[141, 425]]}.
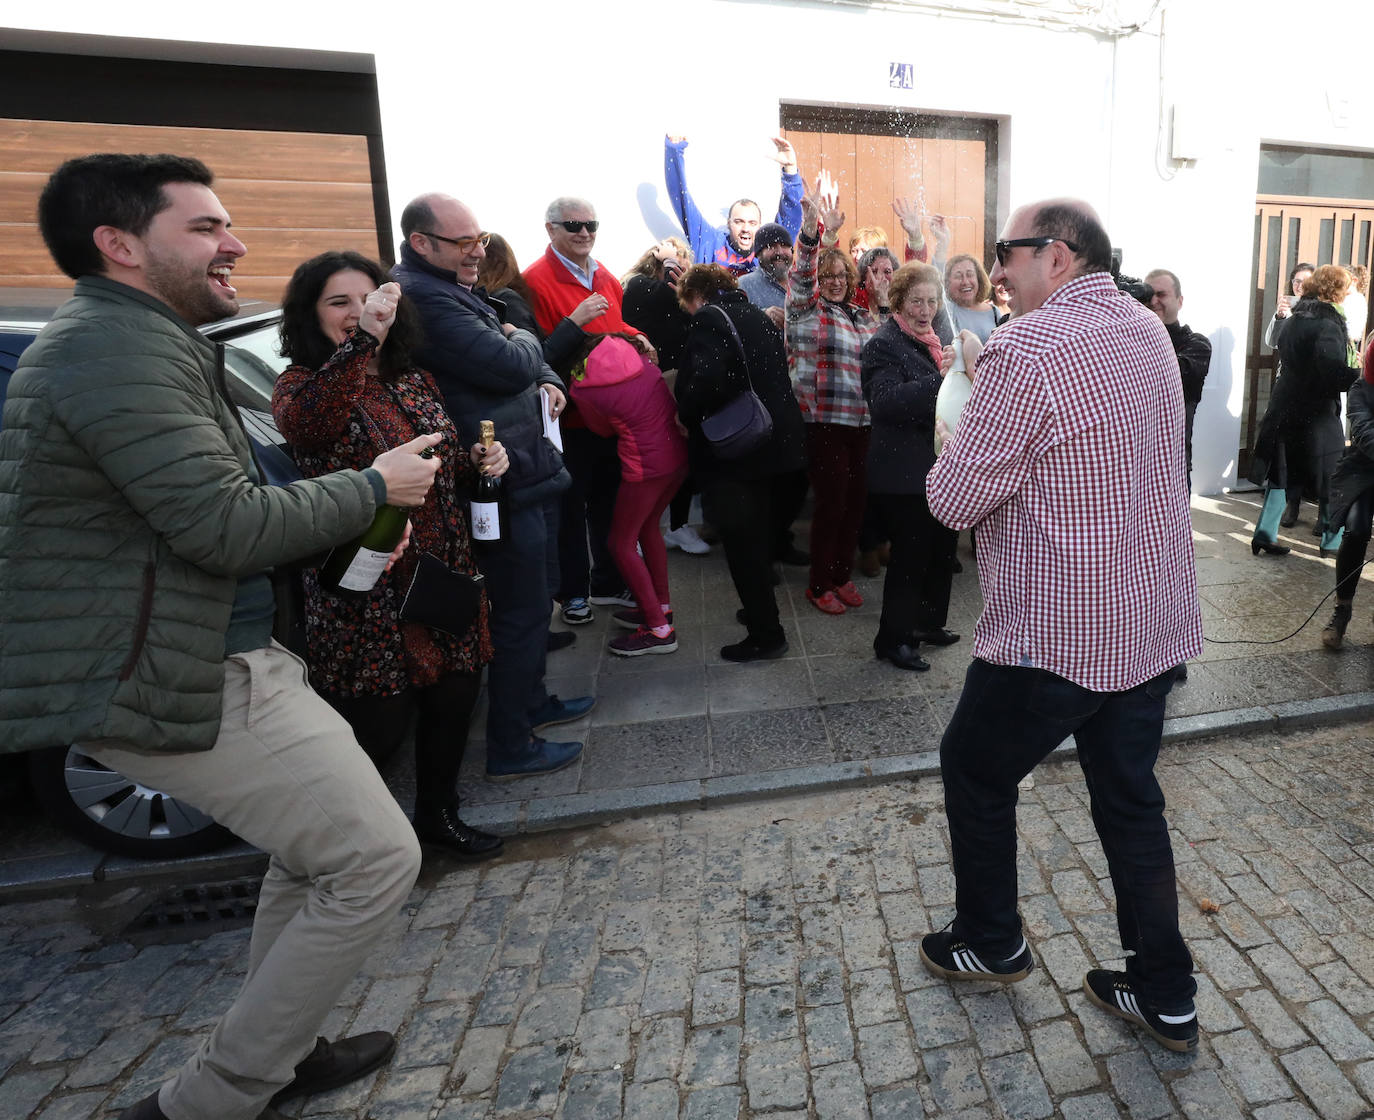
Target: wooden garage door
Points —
{"points": [[947, 163], [290, 194]]}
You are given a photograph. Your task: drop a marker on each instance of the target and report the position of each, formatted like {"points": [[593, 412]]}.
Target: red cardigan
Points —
{"points": [[556, 291]]}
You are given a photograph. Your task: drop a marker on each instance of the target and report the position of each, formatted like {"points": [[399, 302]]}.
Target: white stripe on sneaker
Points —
{"points": [[1174, 1020], [969, 961], [1126, 1001]]}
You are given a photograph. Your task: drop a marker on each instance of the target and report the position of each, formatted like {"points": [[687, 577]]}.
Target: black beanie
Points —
{"points": [[768, 235]]}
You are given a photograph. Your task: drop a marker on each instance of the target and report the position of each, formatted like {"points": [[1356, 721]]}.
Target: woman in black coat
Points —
{"points": [[740, 496], [1300, 438], [901, 379], [1352, 501]]}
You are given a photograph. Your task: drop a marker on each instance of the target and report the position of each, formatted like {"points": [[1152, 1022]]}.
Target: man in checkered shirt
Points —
{"points": [[1069, 460]]}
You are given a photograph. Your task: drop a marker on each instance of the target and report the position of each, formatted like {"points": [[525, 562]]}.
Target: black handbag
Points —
{"points": [[742, 424], [441, 598]]}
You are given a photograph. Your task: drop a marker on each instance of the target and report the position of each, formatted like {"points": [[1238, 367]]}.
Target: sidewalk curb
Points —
{"points": [[50, 874]]}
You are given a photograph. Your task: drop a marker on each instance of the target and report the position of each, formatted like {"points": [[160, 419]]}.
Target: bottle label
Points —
{"points": [[486, 521], [365, 570]]}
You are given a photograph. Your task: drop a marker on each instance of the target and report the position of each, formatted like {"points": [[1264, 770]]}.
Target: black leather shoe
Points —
{"points": [[941, 637], [903, 656], [560, 639], [794, 556], [1257, 546], [332, 1064], [444, 828], [752, 650], [146, 1109]]}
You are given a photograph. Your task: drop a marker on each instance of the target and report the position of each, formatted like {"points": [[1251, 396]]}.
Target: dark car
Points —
{"points": [[94, 803]]}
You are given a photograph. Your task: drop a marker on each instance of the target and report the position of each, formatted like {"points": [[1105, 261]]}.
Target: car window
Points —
{"points": [[12, 344], [253, 363]]}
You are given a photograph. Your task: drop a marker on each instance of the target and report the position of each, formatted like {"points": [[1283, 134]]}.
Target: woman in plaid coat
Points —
{"points": [[825, 333]]}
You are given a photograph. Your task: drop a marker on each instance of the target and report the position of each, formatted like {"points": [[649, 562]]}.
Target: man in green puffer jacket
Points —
{"points": [[136, 539]]}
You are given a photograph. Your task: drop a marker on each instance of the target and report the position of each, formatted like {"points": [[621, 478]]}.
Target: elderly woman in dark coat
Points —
{"points": [[1352, 500], [901, 379], [732, 345], [1300, 438]]}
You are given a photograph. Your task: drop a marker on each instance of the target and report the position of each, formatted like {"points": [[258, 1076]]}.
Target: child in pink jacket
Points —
{"points": [[620, 393]]}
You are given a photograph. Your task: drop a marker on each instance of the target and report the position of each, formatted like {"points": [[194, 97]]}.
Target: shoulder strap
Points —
{"points": [[739, 344]]}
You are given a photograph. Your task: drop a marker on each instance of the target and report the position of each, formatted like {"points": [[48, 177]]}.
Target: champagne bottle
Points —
{"points": [[353, 569], [486, 503]]}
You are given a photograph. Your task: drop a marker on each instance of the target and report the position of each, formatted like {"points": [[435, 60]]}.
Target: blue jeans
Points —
{"points": [[1008, 719]]}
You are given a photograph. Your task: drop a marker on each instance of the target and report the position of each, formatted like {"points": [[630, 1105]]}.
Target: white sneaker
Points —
{"points": [[686, 538]]}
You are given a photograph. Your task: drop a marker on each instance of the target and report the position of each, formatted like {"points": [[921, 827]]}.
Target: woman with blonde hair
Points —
{"points": [[970, 296]]}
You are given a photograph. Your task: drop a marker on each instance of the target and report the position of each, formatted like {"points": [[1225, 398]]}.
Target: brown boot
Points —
{"points": [[1333, 633], [869, 564]]}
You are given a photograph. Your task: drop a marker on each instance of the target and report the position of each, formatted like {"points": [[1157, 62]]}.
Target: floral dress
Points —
{"points": [[336, 418]]}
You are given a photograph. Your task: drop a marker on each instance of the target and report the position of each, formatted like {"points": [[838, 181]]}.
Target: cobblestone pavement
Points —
{"points": [[760, 961]]}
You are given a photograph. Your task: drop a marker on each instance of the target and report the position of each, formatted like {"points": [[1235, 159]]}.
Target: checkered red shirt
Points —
{"points": [[825, 344], [1069, 460]]}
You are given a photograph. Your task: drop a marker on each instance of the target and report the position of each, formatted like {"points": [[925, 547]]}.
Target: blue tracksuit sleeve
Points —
{"points": [[789, 205], [699, 235]]}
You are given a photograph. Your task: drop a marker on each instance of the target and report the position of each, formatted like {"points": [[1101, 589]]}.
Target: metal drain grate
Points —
{"points": [[190, 913]]}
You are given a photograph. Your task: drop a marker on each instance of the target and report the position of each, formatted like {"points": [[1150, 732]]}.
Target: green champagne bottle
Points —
{"points": [[353, 569]]}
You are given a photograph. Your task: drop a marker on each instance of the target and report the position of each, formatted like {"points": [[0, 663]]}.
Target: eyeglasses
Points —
{"points": [[465, 244], [578, 227], [1004, 248], [841, 277]]}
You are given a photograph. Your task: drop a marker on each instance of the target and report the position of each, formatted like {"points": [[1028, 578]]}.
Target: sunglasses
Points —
{"points": [[1004, 248], [578, 227], [463, 243]]}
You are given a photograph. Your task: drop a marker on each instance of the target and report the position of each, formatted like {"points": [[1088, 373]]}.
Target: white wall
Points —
{"points": [[509, 104]]}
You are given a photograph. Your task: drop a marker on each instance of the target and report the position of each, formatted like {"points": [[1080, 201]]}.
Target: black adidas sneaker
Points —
{"points": [[1112, 992], [948, 956]]}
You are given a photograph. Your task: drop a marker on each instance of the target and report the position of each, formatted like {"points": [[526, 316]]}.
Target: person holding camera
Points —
{"points": [[1193, 350]]}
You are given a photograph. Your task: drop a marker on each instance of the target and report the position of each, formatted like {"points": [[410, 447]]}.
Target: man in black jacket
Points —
{"points": [[1193, 350], [490, 370]]}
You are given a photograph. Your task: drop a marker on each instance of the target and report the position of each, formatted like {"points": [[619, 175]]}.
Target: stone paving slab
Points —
{"points": [[759, 960]]}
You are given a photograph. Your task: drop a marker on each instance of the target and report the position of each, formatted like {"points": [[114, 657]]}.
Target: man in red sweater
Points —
{"points": [[574, 295]]}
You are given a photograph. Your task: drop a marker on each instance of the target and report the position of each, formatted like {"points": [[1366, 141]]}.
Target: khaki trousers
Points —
{"points": [[286, 775]]}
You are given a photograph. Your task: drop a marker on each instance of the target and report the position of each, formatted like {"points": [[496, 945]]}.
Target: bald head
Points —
{"points": [[1074, 243], [445, 232], [1075, 221]]}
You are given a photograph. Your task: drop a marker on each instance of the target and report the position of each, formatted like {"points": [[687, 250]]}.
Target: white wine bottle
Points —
{"points": [[486, 502], [353, 569]]}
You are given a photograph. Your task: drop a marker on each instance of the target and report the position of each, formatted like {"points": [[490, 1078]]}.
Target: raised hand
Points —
{"points": [[829, 192], [909, 216], [819, 205], [786, 155], [379, 310], [939, 228]]}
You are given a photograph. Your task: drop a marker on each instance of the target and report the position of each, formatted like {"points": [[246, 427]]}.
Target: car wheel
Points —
{"points": [[106, 810]]}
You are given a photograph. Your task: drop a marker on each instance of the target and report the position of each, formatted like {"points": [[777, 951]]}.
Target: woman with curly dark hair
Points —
{"points": [[352, 392], [733, 346], [1300, 438]]}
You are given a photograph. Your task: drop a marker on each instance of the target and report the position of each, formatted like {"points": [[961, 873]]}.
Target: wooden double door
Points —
{"points": [[947, 163]]}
